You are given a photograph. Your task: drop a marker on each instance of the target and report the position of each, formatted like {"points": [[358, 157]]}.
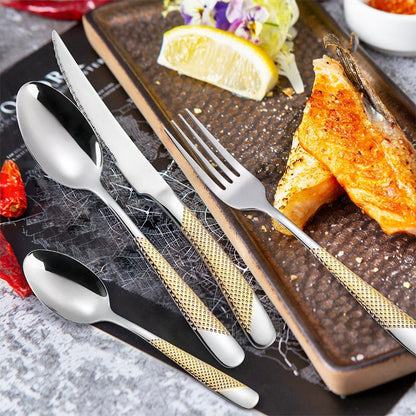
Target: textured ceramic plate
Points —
{"points": [[350, 351]]}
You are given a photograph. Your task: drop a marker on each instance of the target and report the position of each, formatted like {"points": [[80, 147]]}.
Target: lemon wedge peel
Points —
{"points": [[219, 58]]}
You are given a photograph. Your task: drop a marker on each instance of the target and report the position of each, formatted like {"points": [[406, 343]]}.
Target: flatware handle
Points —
{"points": [[393, 319], [210, 330], [389, 316], [211, 377], [247, 308]]}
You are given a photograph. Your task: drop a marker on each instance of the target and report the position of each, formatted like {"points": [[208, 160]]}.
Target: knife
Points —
{"points": [[145, 179]]}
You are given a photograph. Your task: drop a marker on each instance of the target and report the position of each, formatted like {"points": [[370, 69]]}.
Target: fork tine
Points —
{"points": [[200, 172], [226, 170], [202, 158], [221, 149]]}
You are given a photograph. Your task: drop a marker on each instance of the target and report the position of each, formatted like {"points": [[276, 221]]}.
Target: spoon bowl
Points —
{"points": [[66, 286], [74, 292], [50, 125]]}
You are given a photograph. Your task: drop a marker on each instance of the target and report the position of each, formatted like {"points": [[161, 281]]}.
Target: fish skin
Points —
{"points": [[371, 158]]}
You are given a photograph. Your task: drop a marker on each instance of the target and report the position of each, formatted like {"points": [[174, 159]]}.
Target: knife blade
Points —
{"points": [[145, 179]]}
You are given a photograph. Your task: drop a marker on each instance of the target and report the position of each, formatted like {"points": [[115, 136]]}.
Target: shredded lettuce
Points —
{"points": [[286, 66], [277, 35]]}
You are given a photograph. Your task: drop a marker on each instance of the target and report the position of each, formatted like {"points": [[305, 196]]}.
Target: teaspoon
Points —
{"points": [[73, 291]]}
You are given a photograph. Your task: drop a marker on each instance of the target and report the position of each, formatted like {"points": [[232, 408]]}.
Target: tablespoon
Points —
{"points": [[63, 143], [73, 291]]}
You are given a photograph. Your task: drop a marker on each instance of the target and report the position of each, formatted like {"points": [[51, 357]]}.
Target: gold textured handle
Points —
{"points": [[209, 329], [385, 312], [212, 378], [195, 311], [235, 288], [237, 291]]}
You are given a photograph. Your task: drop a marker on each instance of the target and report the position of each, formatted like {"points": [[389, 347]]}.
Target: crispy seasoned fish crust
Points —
{"points": [[368, 154], [304, 187]]}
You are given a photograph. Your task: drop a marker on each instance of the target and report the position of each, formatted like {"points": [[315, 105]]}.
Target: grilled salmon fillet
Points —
{"points": [[304, 187], [367, 153]]}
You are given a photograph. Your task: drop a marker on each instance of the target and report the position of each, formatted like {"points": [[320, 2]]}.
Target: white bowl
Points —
{"points": [[386, 32]]}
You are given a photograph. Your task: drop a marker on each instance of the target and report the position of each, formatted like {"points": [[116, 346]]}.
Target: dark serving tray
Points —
{"points": [[349, 350]]}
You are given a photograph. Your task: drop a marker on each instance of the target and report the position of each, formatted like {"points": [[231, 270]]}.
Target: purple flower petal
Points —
{"points": [[235, 24], [186, 17], [220, 15]]}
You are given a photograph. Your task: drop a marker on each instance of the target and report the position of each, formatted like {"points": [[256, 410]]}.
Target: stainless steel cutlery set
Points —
{"points": [[65, 140]]}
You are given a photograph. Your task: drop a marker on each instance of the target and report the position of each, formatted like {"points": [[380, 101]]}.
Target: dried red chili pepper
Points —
{"points": [[10, 269], [13, 201], [60, 10]]}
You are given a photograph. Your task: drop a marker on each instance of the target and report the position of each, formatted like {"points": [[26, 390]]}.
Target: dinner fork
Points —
{"points": [[238, 188]]}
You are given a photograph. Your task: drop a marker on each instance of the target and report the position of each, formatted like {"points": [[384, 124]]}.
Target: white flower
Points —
{"points": [[198, 12]]}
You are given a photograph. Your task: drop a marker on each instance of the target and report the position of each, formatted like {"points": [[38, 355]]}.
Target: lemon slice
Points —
{"points": [[219, 58]]}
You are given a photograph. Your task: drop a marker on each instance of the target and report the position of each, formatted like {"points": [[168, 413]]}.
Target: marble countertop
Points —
{"points": [[60, 378]]}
